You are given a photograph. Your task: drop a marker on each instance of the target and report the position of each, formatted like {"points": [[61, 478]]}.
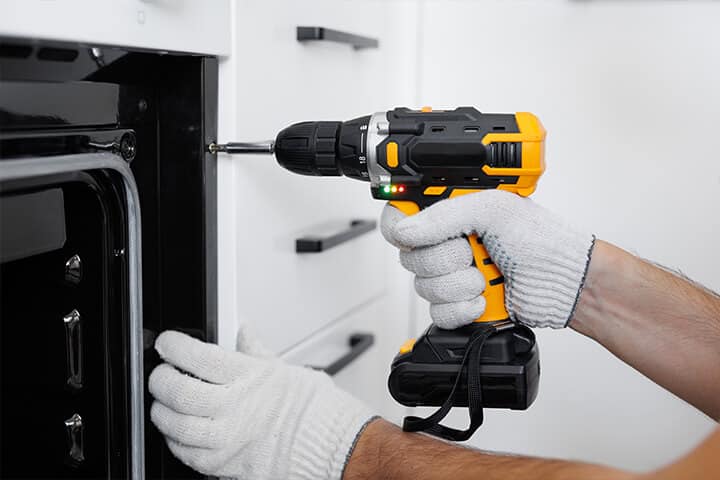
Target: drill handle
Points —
{"points": [[494, 283], [494, 292]]}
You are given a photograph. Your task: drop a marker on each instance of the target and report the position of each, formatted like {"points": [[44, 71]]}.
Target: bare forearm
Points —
{"points": [[661, 324], [384, 452]]}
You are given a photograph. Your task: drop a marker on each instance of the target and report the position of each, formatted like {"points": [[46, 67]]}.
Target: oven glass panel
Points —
{"points": [[62, 328]]}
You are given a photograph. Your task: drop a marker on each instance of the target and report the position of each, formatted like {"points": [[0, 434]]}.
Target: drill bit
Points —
{"points": [[267, 146]]}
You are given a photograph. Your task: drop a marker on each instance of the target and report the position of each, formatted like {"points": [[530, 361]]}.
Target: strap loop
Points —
{"points": [[471, 359]]}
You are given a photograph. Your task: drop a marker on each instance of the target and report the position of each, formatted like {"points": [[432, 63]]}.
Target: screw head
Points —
{"points": [[128, 146]]}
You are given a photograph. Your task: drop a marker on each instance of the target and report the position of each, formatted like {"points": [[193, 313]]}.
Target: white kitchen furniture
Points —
{"points": [[310, 304]]}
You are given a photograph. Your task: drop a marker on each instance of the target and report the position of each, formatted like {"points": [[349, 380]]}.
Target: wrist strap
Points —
{"points": [[471, 359]]}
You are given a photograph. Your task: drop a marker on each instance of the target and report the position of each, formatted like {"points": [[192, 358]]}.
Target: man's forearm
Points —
{"points": [[384, 452], [661, 324]]}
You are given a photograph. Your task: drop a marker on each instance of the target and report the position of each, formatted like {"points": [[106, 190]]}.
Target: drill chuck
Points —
{"points": [[324, 148], [309, 148]]}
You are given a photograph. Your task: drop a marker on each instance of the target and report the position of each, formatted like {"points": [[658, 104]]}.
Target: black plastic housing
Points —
{"points": [[445, 148], [509, 366]]}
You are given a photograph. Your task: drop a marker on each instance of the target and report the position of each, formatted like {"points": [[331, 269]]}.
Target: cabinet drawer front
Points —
{"points": [[366, 375], [288, 296], [281, 80]]}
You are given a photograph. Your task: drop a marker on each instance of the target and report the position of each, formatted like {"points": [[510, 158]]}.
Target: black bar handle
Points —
{"points": [[359, 343], [358, 42], [312, 244]]}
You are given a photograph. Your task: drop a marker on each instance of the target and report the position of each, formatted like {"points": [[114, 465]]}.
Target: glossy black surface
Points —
{"points": [[159, 110], [36, 105], [48, 61], [33, 223], [40, 143]]}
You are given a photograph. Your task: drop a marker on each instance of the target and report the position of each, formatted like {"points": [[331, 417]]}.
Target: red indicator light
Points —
{"points": [[401, 188]]}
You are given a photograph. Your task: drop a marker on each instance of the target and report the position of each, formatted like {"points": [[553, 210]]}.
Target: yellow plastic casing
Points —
{"points": [[392, 154], [532, 136], [407, 346]]}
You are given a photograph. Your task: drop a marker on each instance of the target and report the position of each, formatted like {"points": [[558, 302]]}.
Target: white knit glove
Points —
{"points": [[543, 259], [248, 415]]}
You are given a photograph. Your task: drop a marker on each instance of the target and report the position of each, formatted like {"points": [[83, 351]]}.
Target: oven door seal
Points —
{"points": [[41, 166]]}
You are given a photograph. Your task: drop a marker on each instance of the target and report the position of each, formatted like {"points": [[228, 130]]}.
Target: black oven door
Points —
{"points": [[90, 137], [70, 318]]}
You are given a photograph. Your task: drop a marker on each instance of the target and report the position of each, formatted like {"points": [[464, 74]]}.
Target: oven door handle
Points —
{"points": [[73, 347]]}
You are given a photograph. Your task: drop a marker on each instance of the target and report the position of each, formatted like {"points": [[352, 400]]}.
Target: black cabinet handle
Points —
{"points": [[358, 42], [359, 343], [314, 244]]}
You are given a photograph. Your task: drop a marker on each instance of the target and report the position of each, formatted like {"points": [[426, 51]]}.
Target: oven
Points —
{"points": [[107, 237]]}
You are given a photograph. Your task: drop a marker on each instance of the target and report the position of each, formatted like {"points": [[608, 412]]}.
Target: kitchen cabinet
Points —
{"points": [[272, 80]]}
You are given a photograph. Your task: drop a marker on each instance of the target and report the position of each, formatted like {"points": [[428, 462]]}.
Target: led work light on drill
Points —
{"points": [[413, 159]]}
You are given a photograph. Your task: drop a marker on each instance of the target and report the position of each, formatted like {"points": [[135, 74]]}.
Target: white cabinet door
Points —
{"points": [[281, 81], [366, 376], [277, 81]]}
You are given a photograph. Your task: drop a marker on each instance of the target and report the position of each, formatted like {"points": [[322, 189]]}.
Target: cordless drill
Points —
{"points": [[414, 158]]}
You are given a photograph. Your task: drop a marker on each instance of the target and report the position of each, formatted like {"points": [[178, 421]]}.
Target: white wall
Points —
{"points": [[628, 92]]}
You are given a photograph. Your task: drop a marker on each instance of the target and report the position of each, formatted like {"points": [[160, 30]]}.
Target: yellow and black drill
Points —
{"points": [[414, 158]]}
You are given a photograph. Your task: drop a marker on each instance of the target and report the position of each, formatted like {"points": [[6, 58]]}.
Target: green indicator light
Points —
{"points": [[386, 189]]}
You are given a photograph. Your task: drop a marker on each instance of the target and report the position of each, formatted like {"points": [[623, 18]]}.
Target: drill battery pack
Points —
{"points": [[424, 373]]}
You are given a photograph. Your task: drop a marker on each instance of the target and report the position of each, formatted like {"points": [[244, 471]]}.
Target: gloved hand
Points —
{"points": [[248, 415], [543, 260]]}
